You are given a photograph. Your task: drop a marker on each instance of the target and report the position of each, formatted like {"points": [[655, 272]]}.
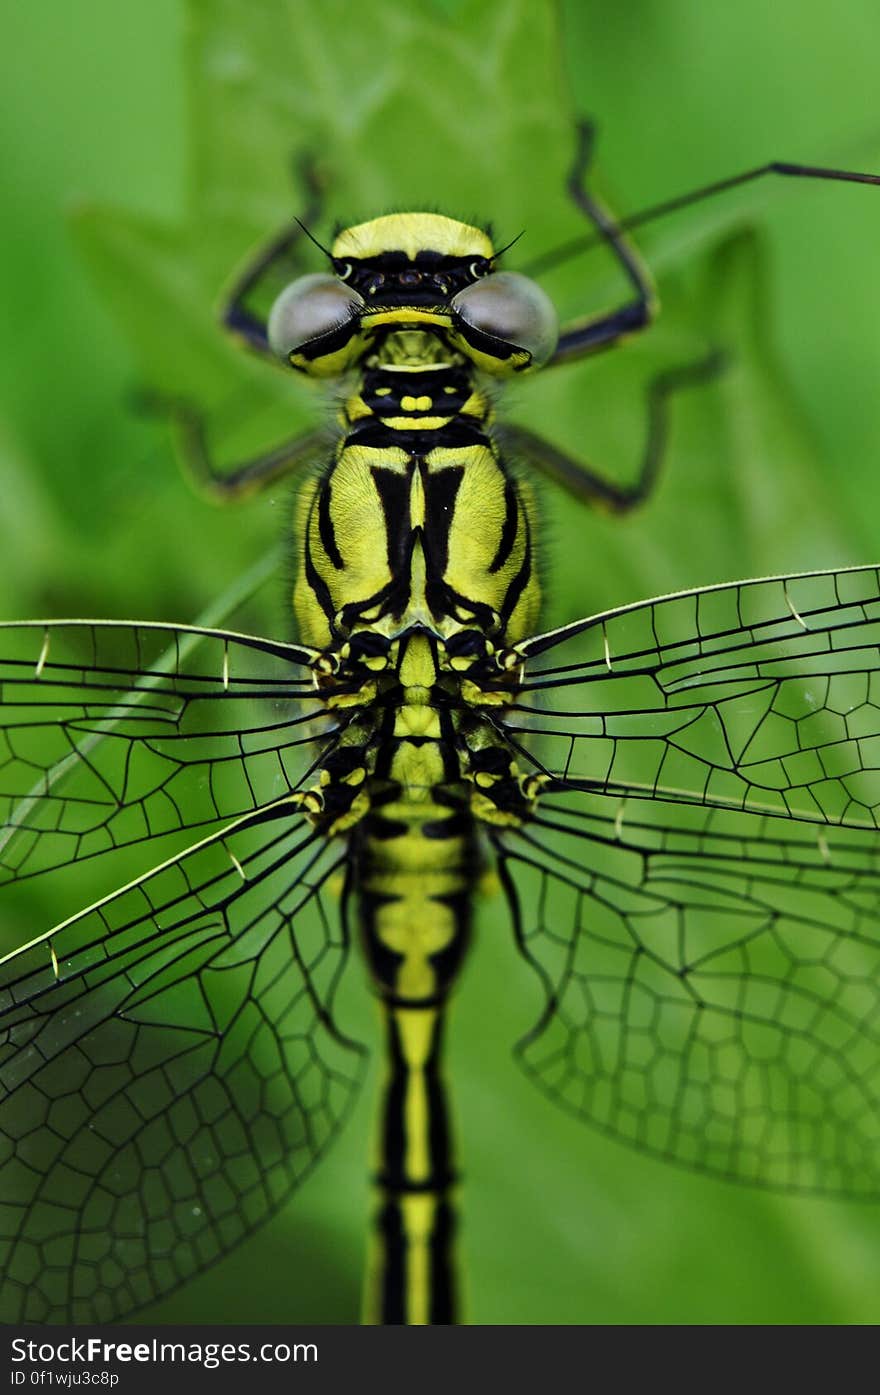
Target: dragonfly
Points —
{"points": [[678, 800]]}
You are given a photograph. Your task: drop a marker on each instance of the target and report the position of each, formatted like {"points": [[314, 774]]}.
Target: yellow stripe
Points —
{"points": [[405, 315], [416, 1029], [416, 423], [411, 233], [417, 1214]]}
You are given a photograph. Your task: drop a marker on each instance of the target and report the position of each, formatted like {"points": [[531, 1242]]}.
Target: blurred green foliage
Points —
{"points": [[169, 133]]}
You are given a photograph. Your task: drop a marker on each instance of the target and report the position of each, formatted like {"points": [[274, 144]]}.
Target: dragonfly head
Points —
{"points": [[408, 271]]}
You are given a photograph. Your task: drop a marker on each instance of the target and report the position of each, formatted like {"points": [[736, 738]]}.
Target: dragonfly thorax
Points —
{"points": [[417, 519]]}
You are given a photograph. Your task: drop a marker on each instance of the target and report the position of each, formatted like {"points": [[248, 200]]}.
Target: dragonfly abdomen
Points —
{"points": [[411, 1275], [417, 867], [417, 864], [418, 874]]}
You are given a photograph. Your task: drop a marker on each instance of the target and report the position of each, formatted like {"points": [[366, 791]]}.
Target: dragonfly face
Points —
{"points": [[413, 270]]}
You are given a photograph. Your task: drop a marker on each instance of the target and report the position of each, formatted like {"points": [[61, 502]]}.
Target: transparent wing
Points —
{"points": [[762, 695], [700, 887], [112, 735], [169, 1070]]}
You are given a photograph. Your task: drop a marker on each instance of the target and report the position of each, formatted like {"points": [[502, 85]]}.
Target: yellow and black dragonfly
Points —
{"points": [[679, 799]]}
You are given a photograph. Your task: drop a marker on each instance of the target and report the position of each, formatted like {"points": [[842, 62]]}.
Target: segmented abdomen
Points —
{"points": [[416, 867]]}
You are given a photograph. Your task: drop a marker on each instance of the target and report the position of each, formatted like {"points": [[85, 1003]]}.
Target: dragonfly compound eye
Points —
{"points": [[308, 308], [512, 308]]}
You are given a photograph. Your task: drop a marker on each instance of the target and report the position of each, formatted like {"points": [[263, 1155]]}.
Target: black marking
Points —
{"points": [[430, 278], [519, 582], [368, 644], [376, 434], [509, 528], [466, 644], [439, 1132], [488, 344], [319, 586], [393, 1118], [384, 829], [383, 790], [453, 826], [343, 760], [393, 490], [444, 1297], [441, 492], [329, 343], [444, 600], [449, 796], [382, 391], [389, 1229], [326, 530], [387, 746], [393, 1173], [449, 756], [492, 760], [447, 962], [383, 963], [337, 800], [435, 1182], [391, 597]]}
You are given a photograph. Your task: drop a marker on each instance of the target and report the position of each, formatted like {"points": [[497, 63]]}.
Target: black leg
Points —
{"points": [[583, 482], [278, 262], [243, 480], [274, 267], [602, 331]]}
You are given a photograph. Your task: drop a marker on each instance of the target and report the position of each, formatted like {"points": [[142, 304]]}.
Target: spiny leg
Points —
{"points": [[586, 484]]}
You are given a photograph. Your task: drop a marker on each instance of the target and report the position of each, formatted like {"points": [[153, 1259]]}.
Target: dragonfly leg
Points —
{"points": [[274, 265], [607, 329], [243, 480], [588, 485]]}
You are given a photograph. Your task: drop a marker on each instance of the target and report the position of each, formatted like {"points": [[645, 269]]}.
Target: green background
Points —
{"points": [[147, 149]]}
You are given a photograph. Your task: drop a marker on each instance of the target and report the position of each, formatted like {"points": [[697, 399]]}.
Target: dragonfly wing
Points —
{"points": [[169, 1070], [700, 886], [115, 734], [763, 695], [713, 991]]}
